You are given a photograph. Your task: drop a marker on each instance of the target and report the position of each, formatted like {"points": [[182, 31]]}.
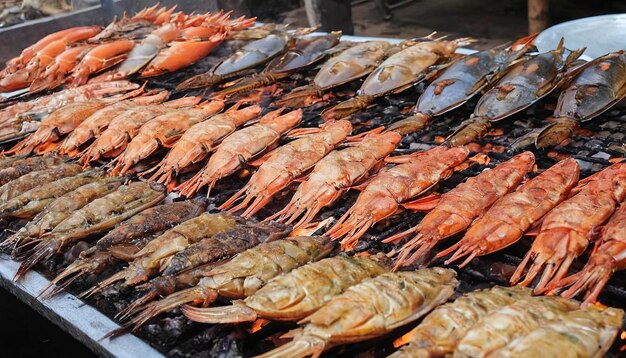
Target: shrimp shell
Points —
{"points": [[22, 166], [440, 332], [299, 293], [382, 195], [509, 217], [580, 333], [334, 175], [566, 231], [371, 309], [457, 208]]}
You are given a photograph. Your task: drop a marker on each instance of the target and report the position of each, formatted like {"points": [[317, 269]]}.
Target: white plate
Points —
{"points": [[600, 34]]}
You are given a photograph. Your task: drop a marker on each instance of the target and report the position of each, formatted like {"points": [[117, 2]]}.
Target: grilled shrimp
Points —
{"points": [[609, 256], [382, 196], [580, 333], [164, 130], [457, 208], [245, 273], [240, 147], [439, 333], [22, 166], [566, 231], [99, 215], [335, 174], [299, 293], [187, 267], [36, 178], [61, 122], [351, 64], [287, 163], [147, 261], [370, 309], [200, 140], [509, 217], [57, 211], [524, 84], [397, 73], [499, 328], [147, 222], [93, 126], [31, 202]]}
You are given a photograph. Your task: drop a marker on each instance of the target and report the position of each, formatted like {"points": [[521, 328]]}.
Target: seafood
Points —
{"points": [[99, 215], [98, 59], [34, 179], [200, 140], [61, 122], [251, 55], [351, 64], [524, 84], [306, 52], [54, 101], [31, 202], [607, 257], [193, 44], [508, 218], [566, 231], [223, 245], [23, 77], [240, 147], [461, 81], [335, 174], [148, 260], [382, 196], [136, 27], [580, 333], [499, 328], [30, 52], [287, 163], [93, 126], [147, 222], [397, 73], [22, 166], [125, 127], [441, 331], [599, 86], [57, 211], [245, 273], [164, 130], [299, 293], [370, 309], [55, 73], [456, 210], [191, 263]]}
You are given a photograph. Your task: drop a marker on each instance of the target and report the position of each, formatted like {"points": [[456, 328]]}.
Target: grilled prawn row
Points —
{"points": [[153, 42]]}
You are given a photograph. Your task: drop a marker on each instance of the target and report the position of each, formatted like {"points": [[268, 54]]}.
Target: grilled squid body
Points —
{"points": [[370, 309]]}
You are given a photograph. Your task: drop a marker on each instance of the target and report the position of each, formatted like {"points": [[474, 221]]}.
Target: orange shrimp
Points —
{"points": [[609, 256], [335, 174], [566, 231], [63, 64], [164, 130], [509, 217], [287, 163], [100, 58], [381, 197], [456, 209], [241, 147], [61, 122], [93, 126], [200, 140]]}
